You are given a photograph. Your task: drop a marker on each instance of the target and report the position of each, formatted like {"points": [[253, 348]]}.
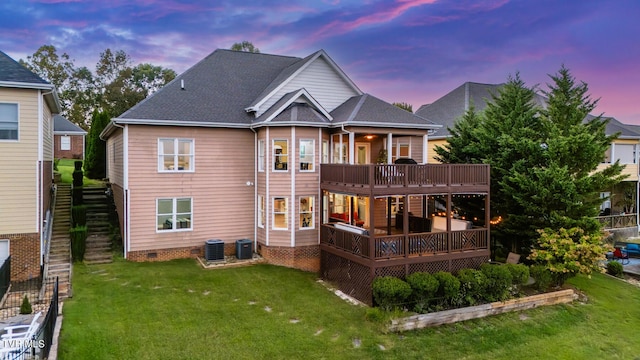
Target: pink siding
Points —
{"points": [[223, 204], [115, 156]]}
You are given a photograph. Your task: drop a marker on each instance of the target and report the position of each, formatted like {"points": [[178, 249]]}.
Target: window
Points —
{"points": [[307, 218], [280, 213], [261, 212], [607, 156], [325, 152], [175, 155], [626, 153], [336, 153], [400, 151], [8, 121], [307, 155], [280, 155], [65, 143], [173, 214], [260, 155]]}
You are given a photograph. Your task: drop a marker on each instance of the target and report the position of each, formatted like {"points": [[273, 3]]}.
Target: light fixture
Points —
{"points": [[368, 137]]}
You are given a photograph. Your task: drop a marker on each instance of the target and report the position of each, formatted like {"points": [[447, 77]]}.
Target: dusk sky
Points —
{"points": [[413, 51]]}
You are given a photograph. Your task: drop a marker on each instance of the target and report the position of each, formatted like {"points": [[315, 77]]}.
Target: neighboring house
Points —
{"points": [[68, 139], [232, 149], [623, 199], [27, 106]]}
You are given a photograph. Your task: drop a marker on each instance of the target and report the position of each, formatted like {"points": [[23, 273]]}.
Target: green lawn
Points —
{"points": [[176, 310], [65, 168]]}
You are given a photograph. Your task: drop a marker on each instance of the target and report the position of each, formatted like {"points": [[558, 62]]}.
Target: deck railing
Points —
{"points": [[618, 221], [405, 174], [398, 246]]}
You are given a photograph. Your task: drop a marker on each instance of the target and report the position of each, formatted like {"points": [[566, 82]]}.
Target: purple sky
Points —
{"points": [[404, 50]]}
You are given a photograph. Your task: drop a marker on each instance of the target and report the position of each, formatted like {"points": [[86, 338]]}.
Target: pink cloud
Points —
{"points": [[339, 26]]}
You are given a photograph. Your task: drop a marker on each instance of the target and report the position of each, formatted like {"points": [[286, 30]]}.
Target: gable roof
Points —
{"points": [[300, 96], [214, 92], [626, 131], [452, 106], [14, 75], [63, 126], [12, 72], [221, 89], [291, 71], [368, 110]]}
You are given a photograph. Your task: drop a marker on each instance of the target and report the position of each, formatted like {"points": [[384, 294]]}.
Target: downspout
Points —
{"points": [[125, 185], [255, 188], [351, 144]]}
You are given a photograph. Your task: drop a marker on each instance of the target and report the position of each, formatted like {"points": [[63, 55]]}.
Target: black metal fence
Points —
{"points": [[39, 345]]}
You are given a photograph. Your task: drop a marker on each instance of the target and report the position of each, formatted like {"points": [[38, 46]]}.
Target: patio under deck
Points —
{"points": [[352, 256]]}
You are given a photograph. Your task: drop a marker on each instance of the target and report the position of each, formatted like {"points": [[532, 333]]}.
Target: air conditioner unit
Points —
{"points": [[214, 250], [243, 249]]}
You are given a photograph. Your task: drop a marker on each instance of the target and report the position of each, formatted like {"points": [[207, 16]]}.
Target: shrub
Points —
{"points": [[449, 288], [79, 215], [615, 268], [390, 292], [542, 276], [519, 273], [499, 282], [78, 237], [472, 286], [569, 252], [424, 287], [77, 195], [56, 162], [25, 308], [78, 174]]}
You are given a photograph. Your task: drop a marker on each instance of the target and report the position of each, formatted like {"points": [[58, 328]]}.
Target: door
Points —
{"points": [[4, 251], [363, 153]]}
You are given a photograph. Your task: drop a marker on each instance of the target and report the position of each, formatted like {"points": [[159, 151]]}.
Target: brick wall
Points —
{"points": [[175, 253], [306, 258], [25, 255], [77, 143]]}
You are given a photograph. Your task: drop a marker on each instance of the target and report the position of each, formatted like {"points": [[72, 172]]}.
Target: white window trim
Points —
{"points": [[174, 215], [273, 153], [176, 141], [261, 155], [312, 225], [285, 212], [325, 152], [313, 155], [18, 114], [62, 143], [261, 212]]}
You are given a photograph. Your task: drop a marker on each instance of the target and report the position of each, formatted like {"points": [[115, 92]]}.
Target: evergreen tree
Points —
{"points": [[96, 159], [463, 145], [543, 161]]}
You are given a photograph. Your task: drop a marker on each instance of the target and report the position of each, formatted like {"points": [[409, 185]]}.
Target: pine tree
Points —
{"points": [[95, 163], [543, 161]]}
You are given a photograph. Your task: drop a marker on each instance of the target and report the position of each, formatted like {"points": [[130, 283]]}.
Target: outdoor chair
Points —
{"points": [[15, 338], [621, 255]]}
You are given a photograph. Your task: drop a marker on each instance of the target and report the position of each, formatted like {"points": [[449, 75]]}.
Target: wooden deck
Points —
{"points": [[352, 257], [378, 180]]}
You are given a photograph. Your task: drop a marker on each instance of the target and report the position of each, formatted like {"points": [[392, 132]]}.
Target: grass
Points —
{"points": [[176, 310], [65, 168]]}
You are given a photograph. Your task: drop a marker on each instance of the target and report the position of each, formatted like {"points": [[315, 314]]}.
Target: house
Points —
{"points": [[619, 205], [290, 153], [68, 138], [27, 106]]}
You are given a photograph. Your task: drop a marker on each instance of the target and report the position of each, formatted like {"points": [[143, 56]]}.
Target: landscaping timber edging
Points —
{"points": [[475, 312]]}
